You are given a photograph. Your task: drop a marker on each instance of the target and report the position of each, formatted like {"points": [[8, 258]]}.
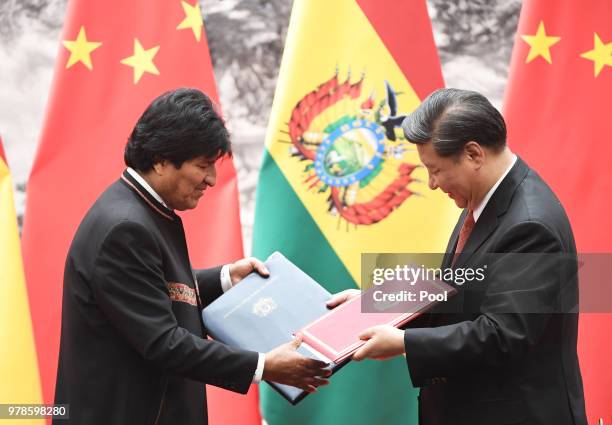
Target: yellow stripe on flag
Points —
{"points": [[423, 221], [19, 378]]}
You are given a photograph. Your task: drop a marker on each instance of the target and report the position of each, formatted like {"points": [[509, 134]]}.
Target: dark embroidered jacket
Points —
{"points": [[133, 348]]}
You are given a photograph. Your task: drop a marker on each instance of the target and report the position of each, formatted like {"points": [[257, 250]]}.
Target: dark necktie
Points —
{"points": [[464, 234]]}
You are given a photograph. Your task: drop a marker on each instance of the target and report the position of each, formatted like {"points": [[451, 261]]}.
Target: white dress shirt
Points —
{"points": [[226, 280], [480, 208]]}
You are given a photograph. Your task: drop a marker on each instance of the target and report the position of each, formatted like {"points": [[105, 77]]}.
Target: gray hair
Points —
{"points": [[450, 118]]}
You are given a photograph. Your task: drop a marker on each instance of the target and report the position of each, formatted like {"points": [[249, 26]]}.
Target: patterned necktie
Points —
{"points": [[464, 234]]}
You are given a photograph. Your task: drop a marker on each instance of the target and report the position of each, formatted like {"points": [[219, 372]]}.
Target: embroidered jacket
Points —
{"points": [[133, 348]]}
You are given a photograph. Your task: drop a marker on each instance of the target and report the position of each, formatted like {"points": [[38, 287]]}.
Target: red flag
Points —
{"points": [[115, 58], [2, 154], [557, 109], [407, 42]]}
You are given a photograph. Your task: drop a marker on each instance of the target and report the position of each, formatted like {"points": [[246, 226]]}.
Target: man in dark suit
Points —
{"points": [[133, 346], [502, 351]]}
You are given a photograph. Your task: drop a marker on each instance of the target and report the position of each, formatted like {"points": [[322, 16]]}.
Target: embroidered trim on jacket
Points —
{"points": [[129, 183], [182, 293]]}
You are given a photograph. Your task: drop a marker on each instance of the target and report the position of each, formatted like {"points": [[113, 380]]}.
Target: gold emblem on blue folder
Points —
{"points": [[264, 306]]}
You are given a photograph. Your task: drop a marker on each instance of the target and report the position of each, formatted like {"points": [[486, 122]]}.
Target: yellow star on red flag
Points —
{"points": [[540, 44], [601, 54], [80, 49], [142, 60], [193, 19]]}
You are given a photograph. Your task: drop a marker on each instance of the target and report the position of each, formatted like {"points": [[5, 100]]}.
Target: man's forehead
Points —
{"points": [[426, 153], [205, 158]]}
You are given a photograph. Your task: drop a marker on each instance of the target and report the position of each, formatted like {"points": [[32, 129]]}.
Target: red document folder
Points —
{"points": [[336, 334]]}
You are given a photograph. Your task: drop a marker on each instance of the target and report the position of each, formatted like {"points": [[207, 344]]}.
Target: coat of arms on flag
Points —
{"points": [[352, 153]]}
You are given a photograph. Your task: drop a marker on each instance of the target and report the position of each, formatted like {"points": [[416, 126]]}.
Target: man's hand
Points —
{"points": [[383, 342], [241, 268], [342, 297], [286, 366]]}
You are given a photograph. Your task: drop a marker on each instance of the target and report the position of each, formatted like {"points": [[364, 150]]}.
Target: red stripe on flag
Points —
{"points": [[411, 45], [2, 155]]}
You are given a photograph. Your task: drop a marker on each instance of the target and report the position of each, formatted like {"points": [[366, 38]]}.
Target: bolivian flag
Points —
{"points": [[19, 381], [338, 178]]}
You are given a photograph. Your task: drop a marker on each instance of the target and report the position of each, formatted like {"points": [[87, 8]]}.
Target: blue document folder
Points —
{"points": [[260, 313]]}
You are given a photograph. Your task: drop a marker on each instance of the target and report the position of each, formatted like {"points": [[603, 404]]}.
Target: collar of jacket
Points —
{"points": [[151, 202], [488, 221]]}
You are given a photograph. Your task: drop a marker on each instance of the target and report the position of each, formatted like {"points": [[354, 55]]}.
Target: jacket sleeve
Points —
{"points": [[523, 292], [130, 288], [209, 284]]}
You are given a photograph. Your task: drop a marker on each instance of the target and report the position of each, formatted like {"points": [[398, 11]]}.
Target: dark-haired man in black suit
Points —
{"points": [[502, 351], [133, 347]]}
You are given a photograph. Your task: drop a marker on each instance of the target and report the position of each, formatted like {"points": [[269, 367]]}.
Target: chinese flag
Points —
{"points": [[115, 57], [558, 114]]}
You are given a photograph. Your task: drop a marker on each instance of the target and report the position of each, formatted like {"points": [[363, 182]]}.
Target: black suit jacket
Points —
{"points": [[503, 351], [133, 347]]}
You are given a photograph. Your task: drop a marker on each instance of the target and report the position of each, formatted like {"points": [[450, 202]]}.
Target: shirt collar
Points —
{"points": [[146, 186], [480, 208]]}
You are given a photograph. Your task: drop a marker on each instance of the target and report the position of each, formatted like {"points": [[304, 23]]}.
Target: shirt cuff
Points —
{"points": [[260, 367], [226, 280]]}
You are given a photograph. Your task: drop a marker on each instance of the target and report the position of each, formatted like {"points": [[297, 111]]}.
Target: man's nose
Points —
{"points": [[432, 183], [211, 178]]}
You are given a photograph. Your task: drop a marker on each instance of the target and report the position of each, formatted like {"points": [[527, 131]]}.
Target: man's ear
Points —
{"points": [[159, 165], [474, 153]]}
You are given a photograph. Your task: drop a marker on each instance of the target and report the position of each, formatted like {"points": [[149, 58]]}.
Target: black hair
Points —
{"points": [[177, 126], [450, 118]]}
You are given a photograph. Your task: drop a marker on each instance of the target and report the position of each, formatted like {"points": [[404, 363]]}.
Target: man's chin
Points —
{"points": [[192, 205], [187, 205], [461, 203], [192, 202]]}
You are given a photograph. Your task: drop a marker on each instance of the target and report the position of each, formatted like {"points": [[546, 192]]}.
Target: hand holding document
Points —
{"points": [[285, 365], [381, 342], [263, 314], [342, 297], [242, 268]]}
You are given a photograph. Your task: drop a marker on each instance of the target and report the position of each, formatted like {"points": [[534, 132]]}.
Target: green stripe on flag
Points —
{"points": [[283, 224]]}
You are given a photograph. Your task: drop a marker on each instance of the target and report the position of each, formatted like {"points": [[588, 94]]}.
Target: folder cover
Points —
{"points": [[336, 333], [260, 313]]}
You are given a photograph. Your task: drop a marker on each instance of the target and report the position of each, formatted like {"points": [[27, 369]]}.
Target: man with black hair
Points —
{"points": [[133, 347], [502, 351]]}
